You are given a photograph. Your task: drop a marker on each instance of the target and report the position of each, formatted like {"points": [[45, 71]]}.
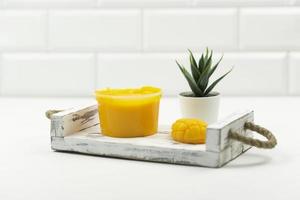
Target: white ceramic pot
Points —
{"points": [[204, 108]]}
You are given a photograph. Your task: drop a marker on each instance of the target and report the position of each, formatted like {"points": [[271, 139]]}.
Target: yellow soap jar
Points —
{"points": [[128, 112]]}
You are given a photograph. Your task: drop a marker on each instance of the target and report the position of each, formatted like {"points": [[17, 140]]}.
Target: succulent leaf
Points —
{"points": [[209, 60], [203, 80], [193, 85], [206, 53], [194, 69], [211, 87], [204, 60], [215, 67], [201, 64]]}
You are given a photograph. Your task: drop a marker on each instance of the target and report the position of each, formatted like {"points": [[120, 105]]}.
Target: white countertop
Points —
{"points": [[29, 169]]}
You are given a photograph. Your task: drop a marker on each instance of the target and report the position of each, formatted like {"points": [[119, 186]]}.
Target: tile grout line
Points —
{"points": [[47, 31], [96, 74], [287, 73], [238, 13], [1, 74], [142, 31], [48, 49], [13, 51]]}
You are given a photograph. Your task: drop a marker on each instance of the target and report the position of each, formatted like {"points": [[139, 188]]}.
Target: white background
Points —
{"points": [[71, 47], [68, 48]]}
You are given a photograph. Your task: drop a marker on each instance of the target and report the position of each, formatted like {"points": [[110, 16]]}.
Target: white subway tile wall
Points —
{"points": [[231, 3], [72, 47], [107, 30], [296, 2], [254, 74], [21, 30], [48, 3], [46, 74], [144, 3], [270, 28], [178, 30], [117, 70]]}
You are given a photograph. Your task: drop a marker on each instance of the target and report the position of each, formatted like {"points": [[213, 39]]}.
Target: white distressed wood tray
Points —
{"points": [[77, 130]]}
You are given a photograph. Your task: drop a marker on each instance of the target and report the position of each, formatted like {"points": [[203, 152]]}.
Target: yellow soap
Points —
{"points": [[129, 112], [191, 131]]}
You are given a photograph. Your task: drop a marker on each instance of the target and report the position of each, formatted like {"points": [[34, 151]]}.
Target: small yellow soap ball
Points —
{"points": [[191, 131]]}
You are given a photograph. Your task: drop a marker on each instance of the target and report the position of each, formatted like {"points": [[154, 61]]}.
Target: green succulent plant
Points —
{"points": [[200, 74]]}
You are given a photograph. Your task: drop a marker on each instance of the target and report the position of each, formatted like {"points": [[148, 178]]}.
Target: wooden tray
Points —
{"points": [[77, 130]]}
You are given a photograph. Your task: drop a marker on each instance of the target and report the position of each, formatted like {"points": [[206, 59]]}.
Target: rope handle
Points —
{"points": [[269, 144], [49, 113]]}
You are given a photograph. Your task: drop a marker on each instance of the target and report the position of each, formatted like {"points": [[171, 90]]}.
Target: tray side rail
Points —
{"points": [[73, 120], [217, 139]]}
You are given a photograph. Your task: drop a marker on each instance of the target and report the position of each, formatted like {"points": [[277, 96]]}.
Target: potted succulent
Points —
{"points": [[202, 102]]}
